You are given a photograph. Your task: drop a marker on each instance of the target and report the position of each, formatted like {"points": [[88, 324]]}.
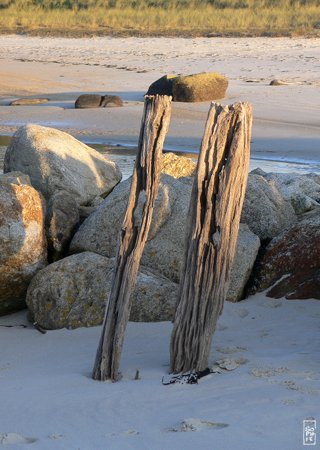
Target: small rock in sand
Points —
{"points": [[278, 83]]}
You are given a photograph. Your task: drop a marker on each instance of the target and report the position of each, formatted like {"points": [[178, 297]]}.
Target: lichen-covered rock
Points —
{"points": [[62, 217], [177, 166], [73, 292], [23, 248], [198, 87], [56, 161], [265, 210], [290, 265], [164, 250]]}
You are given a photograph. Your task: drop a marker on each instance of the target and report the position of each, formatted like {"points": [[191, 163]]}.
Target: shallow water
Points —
{"points": [[125, 158]]}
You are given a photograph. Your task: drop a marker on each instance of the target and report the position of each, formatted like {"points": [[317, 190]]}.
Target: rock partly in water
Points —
{"points": [[29, 101], [265, 210], [88, 101], [62, 217], [290, 265], [164, 250], [73, 293], [191, 88], [111, 100], [55, 161], [23, 249], [97, 101]]}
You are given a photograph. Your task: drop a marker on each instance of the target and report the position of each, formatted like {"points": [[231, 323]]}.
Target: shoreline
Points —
{"points": [[124, 156], [285, 129]]}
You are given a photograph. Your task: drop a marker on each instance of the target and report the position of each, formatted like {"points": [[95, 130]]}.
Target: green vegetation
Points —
{"points": [[161, 17]]}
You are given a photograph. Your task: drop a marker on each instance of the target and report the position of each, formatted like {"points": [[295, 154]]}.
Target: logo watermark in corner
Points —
{"points": [[309, 431]]}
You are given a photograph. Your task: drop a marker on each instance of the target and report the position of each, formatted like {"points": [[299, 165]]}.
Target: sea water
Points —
{"points": [[125, 158]]}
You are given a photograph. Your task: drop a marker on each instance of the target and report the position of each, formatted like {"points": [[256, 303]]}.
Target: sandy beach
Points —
{"points": [[286, 118], [263, 390]]}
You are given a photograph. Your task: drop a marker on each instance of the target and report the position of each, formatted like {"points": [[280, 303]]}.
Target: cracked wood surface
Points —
{"points": [[133, 235], [214, 216]]}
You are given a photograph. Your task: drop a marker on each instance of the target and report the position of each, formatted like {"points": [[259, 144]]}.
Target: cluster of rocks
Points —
{"points": [[60, 264], [199, 87]]}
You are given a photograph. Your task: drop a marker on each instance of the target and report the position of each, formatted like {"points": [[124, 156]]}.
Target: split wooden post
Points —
{"points": [[133, 235], [214, 215]]}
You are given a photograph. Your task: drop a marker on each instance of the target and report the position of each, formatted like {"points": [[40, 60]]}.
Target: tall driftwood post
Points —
{"points": [[133, 235], [214, 215]]}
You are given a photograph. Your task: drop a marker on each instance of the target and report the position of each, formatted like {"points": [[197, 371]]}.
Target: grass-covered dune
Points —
{"points": [[161, 17]]}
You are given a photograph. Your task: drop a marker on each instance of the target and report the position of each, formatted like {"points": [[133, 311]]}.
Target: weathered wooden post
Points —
{"points": [[214, 215], [133, 235]]}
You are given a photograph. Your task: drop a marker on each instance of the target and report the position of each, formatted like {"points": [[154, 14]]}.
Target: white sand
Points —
{"points": [[286, 118], [47, 394]]}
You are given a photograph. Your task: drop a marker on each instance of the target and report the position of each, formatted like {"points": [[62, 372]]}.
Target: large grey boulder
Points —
{"points": [[164, 250], [56, 161], [246, 253], [198, 87], [23, 248], [303, 191], [62, 217], [265, 210], [73, 292]]}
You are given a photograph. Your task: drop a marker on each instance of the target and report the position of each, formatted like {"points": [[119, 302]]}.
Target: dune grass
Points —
{"points": [[236, 17]]}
